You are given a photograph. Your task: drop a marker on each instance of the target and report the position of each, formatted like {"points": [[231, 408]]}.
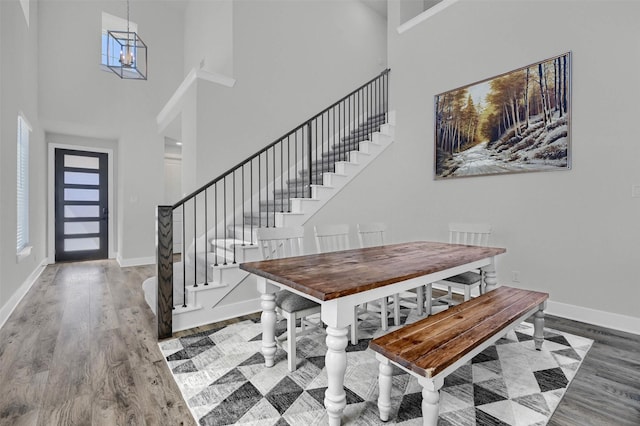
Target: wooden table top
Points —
{"points": [[434, 343], [328, 276]]}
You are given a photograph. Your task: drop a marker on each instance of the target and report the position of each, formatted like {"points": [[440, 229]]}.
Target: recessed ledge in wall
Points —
{"points": [[172, 107], [425, 15]]}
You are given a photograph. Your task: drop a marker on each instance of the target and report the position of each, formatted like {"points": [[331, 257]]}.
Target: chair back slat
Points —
{"points": [[471, 234], [276, 243], [332, 237], [371, 234]]}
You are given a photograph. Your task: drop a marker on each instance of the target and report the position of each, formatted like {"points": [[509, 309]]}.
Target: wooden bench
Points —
{"points": [[434, 347]]}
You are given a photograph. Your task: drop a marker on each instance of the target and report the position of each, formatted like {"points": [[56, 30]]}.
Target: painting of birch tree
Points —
{"points": [[516, 122]]}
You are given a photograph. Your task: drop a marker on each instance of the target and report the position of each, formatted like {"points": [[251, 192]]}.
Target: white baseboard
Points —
{"points": [[13, 301], [136, 261], [219, 313], [238, 309], [612, 320]]}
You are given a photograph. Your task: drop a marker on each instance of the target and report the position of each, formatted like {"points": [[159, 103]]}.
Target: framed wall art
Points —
{"points": [[515, 122]]}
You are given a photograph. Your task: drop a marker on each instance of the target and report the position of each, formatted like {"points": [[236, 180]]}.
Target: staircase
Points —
{"points": [[352, 150], [289, 196]]}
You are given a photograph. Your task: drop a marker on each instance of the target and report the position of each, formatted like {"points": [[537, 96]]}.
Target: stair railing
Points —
{"points": [[225, 212]]}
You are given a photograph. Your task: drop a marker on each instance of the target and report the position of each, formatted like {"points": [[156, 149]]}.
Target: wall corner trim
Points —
{"points": [[425, 15], [173, 106], [12, 303], [612, 320]]}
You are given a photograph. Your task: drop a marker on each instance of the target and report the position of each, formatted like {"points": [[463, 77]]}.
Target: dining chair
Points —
{"points": [[277, 243], [335, 238], [331, 237], [472, 234], [372, 234]]}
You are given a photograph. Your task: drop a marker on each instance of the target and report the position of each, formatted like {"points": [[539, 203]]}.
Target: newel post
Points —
{"points": [[164, 262]]}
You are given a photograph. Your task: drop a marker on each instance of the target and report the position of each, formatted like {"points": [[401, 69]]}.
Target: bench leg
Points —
{"points": [[430, 400], [384, 386], [335, 398], [538, 327]]}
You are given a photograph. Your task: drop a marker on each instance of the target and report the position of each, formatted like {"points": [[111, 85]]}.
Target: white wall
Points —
{"points": [[172, 179], [290, 60], [79, 99], [18, 92], [574, 233], [208, 36]]}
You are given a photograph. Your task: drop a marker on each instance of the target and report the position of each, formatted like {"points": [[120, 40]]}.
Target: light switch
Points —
{"points": [[635, 191]]}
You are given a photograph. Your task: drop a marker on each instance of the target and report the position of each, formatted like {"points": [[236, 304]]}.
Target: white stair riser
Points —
{"points": [[381, 139], [346, 168], [321, 192], [370, 148], [291, 219], [334, 179], [301, 205]]}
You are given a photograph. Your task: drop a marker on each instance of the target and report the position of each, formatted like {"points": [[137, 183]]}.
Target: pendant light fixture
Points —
{"points": [[131, 61]]}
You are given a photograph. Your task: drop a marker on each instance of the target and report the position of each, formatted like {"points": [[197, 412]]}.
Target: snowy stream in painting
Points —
{"points": [[479, 160]]}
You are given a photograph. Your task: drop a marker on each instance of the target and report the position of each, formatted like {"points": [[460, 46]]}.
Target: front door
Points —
{"points": [[82, 209]]}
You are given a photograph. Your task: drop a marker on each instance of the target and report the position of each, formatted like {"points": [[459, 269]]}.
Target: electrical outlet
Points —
{"points": [[515, 276], [635, 191]]}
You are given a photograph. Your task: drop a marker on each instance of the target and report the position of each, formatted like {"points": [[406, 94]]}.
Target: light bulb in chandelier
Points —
{"points": [[127, 59]]}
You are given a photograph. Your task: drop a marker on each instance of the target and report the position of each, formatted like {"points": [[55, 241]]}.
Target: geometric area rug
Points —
{"points": [[222, 377]]}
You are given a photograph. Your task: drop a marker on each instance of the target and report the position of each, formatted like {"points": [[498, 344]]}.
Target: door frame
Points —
{"points": [[51, 199]]}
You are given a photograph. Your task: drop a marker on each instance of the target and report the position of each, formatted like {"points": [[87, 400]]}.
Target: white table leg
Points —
{"points": [[335, 398], [396, 309], [490, 279], [538, 327], [384, 313], [291, 341], [384, 386], [420, 300], [354, 326], [430, 400], [268, 320]]}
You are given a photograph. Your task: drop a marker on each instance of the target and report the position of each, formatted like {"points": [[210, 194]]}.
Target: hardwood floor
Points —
{"points": [[606, 390], [81, 349]]}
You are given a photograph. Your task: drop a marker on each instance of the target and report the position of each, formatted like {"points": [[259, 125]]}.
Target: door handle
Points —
{"points": [[105, 213]]}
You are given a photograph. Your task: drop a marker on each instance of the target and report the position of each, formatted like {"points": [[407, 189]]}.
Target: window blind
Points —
{"points": [[22, 186]]}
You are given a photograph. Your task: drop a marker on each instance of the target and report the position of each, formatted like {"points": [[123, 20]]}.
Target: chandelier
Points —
{"points": [[131, 62]]}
